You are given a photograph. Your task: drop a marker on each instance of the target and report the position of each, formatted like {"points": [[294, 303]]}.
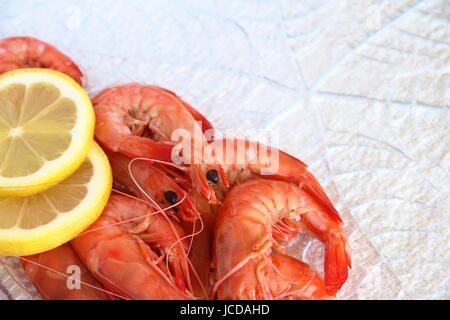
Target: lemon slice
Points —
{"points": [[41, 222], [46, 129]]}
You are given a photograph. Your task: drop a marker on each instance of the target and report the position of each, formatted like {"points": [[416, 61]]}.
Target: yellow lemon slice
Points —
{"points": [[46, 130], [41, 222]]}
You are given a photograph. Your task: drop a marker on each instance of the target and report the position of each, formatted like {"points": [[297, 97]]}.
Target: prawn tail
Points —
{"points": [[337, 262], [134, 146], [310, 184]]}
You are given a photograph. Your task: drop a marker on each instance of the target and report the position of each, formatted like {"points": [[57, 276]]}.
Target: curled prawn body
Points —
{"points": [[48, 271], [243, 160], [130, 260], [27, 52], [139, 120], [145, 121], [197, 220], [254, 217]]}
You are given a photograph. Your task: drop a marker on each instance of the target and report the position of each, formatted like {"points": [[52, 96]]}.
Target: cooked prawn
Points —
{"points": [[254, 216], [27, 52], [130, 261], [141, 121], [138, 120], [145, 180], [45, 270]]}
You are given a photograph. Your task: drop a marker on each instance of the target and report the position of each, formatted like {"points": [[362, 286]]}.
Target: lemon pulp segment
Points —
{"points": [[46, 130], [43, 221]]}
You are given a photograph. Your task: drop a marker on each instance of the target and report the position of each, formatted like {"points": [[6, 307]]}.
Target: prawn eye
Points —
{"points": [[171, 197], [212, 175]]}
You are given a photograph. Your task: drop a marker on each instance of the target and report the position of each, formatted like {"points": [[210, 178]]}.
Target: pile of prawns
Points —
{"points": [[210, 230]]}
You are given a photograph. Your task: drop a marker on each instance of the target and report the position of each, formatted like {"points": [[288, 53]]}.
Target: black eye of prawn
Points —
{"points": [[212, 175], [171, 197]]}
